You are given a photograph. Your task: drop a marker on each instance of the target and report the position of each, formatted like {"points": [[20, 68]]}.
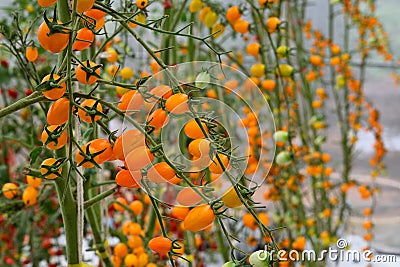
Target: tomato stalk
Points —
{"points": [[92, 215]]}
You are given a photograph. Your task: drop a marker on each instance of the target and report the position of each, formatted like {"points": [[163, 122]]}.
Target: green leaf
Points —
{"points": [[184, 17], [35, 154], [87, 133]]}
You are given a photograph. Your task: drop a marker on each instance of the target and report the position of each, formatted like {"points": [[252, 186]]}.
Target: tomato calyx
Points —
{"points": [[89, 157], [175, 246], [54, 168], [54, 26], [93, 111], [90, 71], [216, 207], [50, 84], [53, 136]]}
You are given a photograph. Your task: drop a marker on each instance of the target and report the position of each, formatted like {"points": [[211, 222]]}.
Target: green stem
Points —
{"points": [[93, 219], [22, 103], [221, 244], [94, 200], [69, 213]]}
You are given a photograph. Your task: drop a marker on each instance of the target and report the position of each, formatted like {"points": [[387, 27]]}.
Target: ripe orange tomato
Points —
{"points": [[142, 3], [90, 105], [249, 221], [158, 119], [177, 103], [139, 158], [30, 196], [179, 212], [58, 112], [188, 197], [33, 181], [273, 23], [47, 166], [215, 166], [135, 241], [253, 49], [241, 26], [46, 3], [58, 91], [193, 130], [56, 142], [268, 85], [129, 179], [161, 91], [199, 218], [140, 18], [199, 148], [101, 147], [87, 77], [53, 43], [96, 17], [160, 173], [233, 14], [10, 190], [231, 198], [136, 206], [131, 101], [121, 250], [84, 5], [127, 142], [117, 205], [131, 260], [84, 38], [160, 244], [31, 53]]}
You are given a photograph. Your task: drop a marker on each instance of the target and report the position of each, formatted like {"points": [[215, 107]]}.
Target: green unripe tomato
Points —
{"points": [[282, 51], [202, 79], [285, 70], [229, 264], [259, 258], [284, 158], [281, 136]]}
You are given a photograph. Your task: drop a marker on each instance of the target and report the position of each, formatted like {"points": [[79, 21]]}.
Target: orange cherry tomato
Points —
{"points": [[139, 158], [31, 53], [86, 77], [58, 91], [101, 147], [160, 244], [58, 142], [90, 105], [127, 142], [53, 43], [46, 3], [177, 103], [129, 179], [131, 101], [50, 163], [158, 119], [10, 190], [161, 91], [58, 112], [199, 218], [160, 172], [188, 197], [193, 130], [84, 38], [84, 5]]}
